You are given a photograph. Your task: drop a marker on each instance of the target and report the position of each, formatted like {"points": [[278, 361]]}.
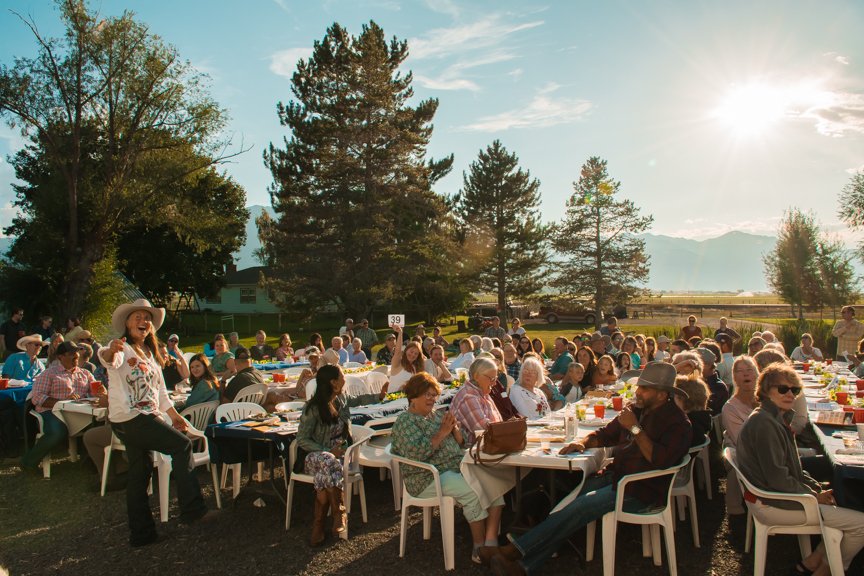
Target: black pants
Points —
{"points": [[9, 436], [141, 435]]}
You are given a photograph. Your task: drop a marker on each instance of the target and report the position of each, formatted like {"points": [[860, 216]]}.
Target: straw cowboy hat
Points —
{"points": [[35, 338], [118, 318]]}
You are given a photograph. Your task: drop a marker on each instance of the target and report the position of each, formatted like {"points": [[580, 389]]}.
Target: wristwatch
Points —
{"points": [[635, 429]]}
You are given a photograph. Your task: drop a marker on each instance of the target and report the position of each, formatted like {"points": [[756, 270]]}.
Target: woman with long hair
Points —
{"points": [[650, 348], [629, 346], [585, 356], [137, 400], [284, 351], [537, 345], [205, 385], [322, 438], [523, 346], [623, 363], [405, 363], [604, 372], [571, 385], [315, 340]]}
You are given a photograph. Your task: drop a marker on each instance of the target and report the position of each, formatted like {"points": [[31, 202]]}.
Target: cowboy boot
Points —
{"points": [[337, 510], [321, 499]]}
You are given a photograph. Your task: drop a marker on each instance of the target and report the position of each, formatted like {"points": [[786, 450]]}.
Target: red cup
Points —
{"points": [[278, 377], [617, 403], [829, 361], [600, 410], [858, 415], [859, 384], [842, 398], [848, 408], [806, 366], [4, 383], [95, 388]]}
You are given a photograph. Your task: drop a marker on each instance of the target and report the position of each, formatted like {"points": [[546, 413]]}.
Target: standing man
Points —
{"points": [[367, 336], [45, 328], [563, 358], [724, 368], [13, 330], [653, 435], [495, 331], [725, 329], [348, 328], [848, 332]]}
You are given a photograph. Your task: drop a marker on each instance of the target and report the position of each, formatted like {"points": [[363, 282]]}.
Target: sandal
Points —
{"points": [[801, 570]]}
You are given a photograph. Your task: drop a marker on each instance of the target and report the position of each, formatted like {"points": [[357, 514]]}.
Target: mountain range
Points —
{"points": [[730, 262]]}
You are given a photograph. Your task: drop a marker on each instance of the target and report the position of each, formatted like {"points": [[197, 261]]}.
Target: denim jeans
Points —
{"points": [[54, 432], [141, 435], [541, 542]]}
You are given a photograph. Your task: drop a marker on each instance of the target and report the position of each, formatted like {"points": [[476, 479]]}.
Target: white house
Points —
{"points": [[241, 293]]}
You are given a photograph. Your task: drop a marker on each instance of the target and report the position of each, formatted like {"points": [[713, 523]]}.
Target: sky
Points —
{"points": [[713, 115]]}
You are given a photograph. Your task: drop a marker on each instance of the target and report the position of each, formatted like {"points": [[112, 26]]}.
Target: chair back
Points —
{"points": [[639, 476], [294, 370], [234, 411], [200, 415], [351, 461], [188, 356], [375, 381], [382, 370], [252, 393], [629, 374], [356, 386], [311, 385], [685, 474]]}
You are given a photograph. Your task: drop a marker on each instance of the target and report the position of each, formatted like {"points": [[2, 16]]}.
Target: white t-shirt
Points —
{"points": [[135, 386], [519, 331], [531, 404]]}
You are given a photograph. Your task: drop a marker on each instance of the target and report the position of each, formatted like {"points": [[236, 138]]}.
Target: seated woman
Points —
{"points": [[466, 354], [523, 346], [223, 362], [473, 406], [623, 363], [806, 351], [428, 343], [205, 385], [499, 392], [406, 363], [695, 405], [322, 438], [434, 437], [604, 372], [356, 354], [767, 432], [526, 396], [735, 413], [629, 346], [284, 351], [571, 385], [650, 349], [537, 345], [436, 364], [586, 357]]}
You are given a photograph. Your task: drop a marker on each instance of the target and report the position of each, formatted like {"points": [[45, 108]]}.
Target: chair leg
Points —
{"points": [[679, 501], [646, 541], [46, 466], [694, 519], [403, 529], [427, 523], [670, 541], [610, 527], [235, 481], [804, 545], [706, 469], [223, 482], [397, 489], [656, 551], [447, 514], [760, 552], [748, 536], [832, 537], [288, 499], [590, 536], [105, 467], [73, 449], [216, 490], [164, 473], [362, 488]]}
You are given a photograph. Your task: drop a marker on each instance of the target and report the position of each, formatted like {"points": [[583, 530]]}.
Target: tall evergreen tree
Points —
{"points": [[356, 221], [791, 268], [601, 256], [499, 213]]}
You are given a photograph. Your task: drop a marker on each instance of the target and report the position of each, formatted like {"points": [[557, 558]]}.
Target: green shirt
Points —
{"points": [[561, 364], [219, 363], [412, 438], [366, 335]]}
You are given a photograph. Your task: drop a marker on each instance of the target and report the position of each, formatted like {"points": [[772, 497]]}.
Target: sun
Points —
{"points": [[750, 110]]}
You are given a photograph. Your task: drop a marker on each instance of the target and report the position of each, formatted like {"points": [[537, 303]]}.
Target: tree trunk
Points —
{"points": [[78, 280]]}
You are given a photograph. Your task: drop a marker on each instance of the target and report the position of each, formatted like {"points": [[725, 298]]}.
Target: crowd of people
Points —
{"points": [[683, 387]]}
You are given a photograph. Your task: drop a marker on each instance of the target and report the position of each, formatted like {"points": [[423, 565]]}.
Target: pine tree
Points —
{"points": [[498, 211], [357, 222], [601, 256]]}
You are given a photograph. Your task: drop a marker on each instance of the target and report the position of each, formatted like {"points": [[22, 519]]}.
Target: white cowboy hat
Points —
{"points": [[118, 318], [37, 338]]}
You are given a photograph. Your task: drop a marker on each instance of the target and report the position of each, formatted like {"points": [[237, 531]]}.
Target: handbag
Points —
{"points": [[500, 438]]}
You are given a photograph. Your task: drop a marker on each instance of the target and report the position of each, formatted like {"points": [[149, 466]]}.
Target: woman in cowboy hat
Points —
{"points": [[25, 365], [138, 406]]}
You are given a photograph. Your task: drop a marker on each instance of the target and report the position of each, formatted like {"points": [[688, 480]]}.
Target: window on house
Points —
{"points": [[248, 295]]}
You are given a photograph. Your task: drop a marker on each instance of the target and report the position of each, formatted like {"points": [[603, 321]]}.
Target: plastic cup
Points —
{"points": [[860, 431], [617, 403], [859, 384], [580, 411], [850, 441], [278, 377], [858, 415], [842, 398], [600, 410], [829, 361], [95, 388], [805, 366], [544, 445], [4, 383]]}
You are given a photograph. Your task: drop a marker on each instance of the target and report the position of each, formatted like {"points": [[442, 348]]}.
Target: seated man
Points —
{"points": [[62, 380], [653, 435], [336, 344], [25, 365], [246, 375], [261, 350]]}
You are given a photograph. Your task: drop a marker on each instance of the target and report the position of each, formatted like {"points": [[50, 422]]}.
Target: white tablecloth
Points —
{"points": [[78, 415]]}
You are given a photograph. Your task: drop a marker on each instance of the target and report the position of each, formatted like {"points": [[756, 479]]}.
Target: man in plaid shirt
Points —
{"points": [[63, 380]]}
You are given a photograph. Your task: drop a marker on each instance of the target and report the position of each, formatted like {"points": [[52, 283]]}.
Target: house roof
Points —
{"points": [[246, 276]]}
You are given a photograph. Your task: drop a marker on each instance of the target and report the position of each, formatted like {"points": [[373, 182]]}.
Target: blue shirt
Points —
{"points": [[561, 364], [18, 367], [358, 357], [343, 355]]}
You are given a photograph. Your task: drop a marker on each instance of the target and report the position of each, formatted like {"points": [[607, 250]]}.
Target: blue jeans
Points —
{"points": [[54, 432], [542, 541]]}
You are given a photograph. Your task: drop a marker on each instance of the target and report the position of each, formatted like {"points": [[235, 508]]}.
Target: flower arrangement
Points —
{"points": [[459, 380], [395, 396], [359, 370]]}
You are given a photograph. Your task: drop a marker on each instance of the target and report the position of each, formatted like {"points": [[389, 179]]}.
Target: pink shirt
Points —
{"points": [[473, 410], [58, 383]]}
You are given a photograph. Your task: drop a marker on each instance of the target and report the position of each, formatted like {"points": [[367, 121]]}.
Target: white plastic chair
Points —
{"points": [[812, 524], [375, 381], [355, 386], [352, 365], [650, 521], [188, 356], [446, 508], [232, 412], [163, 465], [116, 444], [702, 470], [351, 473], [377, 455], [200, 415], [253, 393], [46, 461], [311, 385], [683, 490], [382, 370]]}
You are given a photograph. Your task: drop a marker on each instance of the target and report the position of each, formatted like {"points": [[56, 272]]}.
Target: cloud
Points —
{"points": [[855, 170], [283, 5], [452, 77], [445, 83], [543, 111], [839, 58], [485, 33], [284, 62], [516, 73], [703, 228], [444, 7], [842, 113]]}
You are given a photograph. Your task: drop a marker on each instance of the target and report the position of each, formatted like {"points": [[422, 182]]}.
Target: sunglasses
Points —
{"points": [[784, 389]]}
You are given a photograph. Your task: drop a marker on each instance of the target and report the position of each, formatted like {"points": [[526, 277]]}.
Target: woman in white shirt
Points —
{"points": [[525, 394], [436, 364], [806, 351], [143, 417], [516, 328], [406, 363], [466, 356]]}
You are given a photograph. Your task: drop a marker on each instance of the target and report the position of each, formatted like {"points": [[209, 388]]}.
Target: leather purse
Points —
{"points": [[500, 438]]}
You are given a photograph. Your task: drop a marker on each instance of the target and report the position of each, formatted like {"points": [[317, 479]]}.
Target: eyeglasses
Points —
{"points": [[431, 395], [784, 389]]}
